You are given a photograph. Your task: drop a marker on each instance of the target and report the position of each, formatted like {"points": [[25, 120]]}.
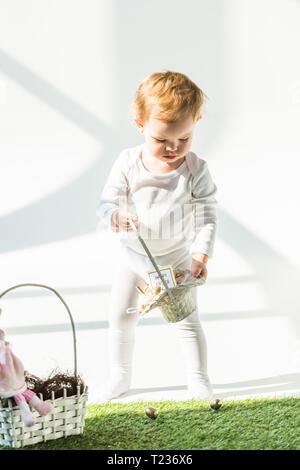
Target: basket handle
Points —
{"points": [[68, 310], [170, 293]]}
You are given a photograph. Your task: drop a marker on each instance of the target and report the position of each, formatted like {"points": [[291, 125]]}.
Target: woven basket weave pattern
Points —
{"points": [[185, 305], [66, 419]]}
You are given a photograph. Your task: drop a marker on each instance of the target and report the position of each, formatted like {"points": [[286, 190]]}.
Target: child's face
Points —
{"points": [[168, 142]]}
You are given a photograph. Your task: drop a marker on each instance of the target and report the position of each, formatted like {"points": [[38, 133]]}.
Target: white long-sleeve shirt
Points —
{"points": [[174, 209]]}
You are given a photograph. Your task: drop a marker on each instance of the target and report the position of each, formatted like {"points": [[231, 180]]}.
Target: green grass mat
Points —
{"points": [[247, 424]]}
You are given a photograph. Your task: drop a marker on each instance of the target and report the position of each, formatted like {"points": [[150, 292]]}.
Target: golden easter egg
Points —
{"points": [[151, 412], [216, 404]]}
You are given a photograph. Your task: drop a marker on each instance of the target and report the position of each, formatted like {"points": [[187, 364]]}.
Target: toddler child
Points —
{"points": [[168, 193]]}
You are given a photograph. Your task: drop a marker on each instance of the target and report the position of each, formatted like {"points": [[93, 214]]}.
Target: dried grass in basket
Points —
{"points": [[68, 395]]}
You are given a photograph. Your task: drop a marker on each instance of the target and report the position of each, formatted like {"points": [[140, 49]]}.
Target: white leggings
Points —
{"points": [[130, 272]]}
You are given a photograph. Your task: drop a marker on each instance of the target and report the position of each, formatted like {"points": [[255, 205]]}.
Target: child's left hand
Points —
{"points": [[198, 266]]}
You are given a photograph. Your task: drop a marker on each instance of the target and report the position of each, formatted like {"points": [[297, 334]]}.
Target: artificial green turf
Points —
{"points": [[247, 424]]}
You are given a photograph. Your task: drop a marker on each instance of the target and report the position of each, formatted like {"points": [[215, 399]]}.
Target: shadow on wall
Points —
{"points": [[277, 276], [71, 211]]}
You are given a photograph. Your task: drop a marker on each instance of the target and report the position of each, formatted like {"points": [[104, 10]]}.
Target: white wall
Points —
{"points": [[68, 72]]}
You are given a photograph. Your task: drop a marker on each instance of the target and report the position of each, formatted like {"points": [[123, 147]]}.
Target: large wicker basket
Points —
{"points": [[175, 303], [66, 418]]}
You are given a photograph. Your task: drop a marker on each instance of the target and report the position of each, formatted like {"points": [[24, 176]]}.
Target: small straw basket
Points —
{"points": [[66, 418], [175, 303]]}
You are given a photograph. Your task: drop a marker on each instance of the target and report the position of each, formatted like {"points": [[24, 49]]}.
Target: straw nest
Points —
{"points": [[55, 382]]}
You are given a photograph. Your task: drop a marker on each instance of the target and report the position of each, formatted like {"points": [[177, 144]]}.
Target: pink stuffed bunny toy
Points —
{"points": [[12, 384]]}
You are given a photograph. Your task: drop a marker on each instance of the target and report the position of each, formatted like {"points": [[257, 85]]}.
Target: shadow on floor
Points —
{"points": [[280, 383]]}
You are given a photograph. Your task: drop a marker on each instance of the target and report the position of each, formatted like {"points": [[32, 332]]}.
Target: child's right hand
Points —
{"points": [[120, 221]]}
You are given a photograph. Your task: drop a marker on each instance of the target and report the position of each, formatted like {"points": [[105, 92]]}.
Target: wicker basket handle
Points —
{"points": [[68, 310]]}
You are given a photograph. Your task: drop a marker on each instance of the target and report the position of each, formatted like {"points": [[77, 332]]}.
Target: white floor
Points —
{"points": [[251, 350]]}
